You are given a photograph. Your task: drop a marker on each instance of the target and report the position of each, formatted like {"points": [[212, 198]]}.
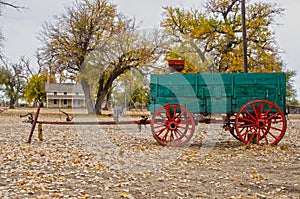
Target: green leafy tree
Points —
{"points": [[131, 89], [35, 89], [140, 96], [291, 92]]}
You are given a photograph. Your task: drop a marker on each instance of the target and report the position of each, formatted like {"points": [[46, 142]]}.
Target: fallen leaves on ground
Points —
{"points": [[121, 162]]}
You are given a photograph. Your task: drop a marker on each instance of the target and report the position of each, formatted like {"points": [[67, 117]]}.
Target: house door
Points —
{"points": [[76, 103]]}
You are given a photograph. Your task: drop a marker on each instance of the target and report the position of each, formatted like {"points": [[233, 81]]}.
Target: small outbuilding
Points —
{"points": [[294, 109]]}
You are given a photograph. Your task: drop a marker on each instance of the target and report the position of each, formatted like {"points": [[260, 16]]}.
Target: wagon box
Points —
{"points": [[256, 100], [216, 93]]}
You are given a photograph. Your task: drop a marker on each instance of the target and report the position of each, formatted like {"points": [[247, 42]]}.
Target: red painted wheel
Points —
{"points": [[234, 134], [261, 122], [172, 125]]}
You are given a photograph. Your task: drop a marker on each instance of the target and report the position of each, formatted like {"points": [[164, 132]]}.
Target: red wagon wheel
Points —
{"points": [[261, 122], [234, 134], [172, 125]]}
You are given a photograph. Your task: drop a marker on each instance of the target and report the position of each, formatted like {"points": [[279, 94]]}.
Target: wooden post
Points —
{"points": [[40, 132], [243, 8]]}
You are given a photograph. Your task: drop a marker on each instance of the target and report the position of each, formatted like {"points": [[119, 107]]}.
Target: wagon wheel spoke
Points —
{"points": [[259, 136], [159, 132], [181, 134], [184, 131], [164, 137], [273, 116], [162, 125], [272, 135], [174, 112], [246, 125], [268, 111], [234, 134], [244, 119], [248, 131], [276, 129], [254, 111], [261, 108], [162, 117], [168, 113], [276, 121], [250, 115], [186, 121], [251, 136], [177, 134], [267, 121], [265, 137], [175, 123]]}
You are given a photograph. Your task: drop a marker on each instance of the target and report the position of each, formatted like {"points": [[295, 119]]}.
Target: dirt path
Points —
{"points": [[121, 162]]}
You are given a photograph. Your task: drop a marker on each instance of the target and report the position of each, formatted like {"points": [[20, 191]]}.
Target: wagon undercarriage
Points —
{"points": [[174, 125], [257, 122]]}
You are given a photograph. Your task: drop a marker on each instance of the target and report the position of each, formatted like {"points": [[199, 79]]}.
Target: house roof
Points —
{"points": [[65, 87]]}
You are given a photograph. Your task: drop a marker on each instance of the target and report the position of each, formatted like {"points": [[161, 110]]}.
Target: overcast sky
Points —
{"points": [[20, 28]]}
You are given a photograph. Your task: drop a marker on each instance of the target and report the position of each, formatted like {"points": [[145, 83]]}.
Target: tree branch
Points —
{"points": [[10, 5]]}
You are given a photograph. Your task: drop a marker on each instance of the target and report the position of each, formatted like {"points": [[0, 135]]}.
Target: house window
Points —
{"points": [[65, 93], [55, 93], [77, 93], [65, 102], [55, 101]]}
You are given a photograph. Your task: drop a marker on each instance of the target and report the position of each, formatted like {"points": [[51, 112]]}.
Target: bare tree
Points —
{"points": [[6, 4]]}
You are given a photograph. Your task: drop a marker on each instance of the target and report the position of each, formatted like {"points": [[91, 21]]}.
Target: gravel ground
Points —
{"points": [[121, 162]]}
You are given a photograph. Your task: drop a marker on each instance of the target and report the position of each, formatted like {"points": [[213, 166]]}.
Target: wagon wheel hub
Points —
{"points": [[260, 123], [172, 125]]}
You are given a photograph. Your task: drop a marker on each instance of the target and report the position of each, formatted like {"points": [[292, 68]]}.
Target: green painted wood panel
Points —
{"points": [[216, 93]]}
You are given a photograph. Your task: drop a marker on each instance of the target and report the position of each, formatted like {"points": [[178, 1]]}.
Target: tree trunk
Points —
{"points": [[88, 98], [107, 101], [12, 102], [100, 100]]}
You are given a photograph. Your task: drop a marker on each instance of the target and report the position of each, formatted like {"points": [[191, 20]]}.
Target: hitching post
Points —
{"points": [[34, 123]]}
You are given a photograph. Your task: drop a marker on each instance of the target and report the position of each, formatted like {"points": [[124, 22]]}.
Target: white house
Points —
{"points": [[65, 95]]}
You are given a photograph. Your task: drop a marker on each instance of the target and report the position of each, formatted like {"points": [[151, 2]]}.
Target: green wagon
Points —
{"points": [[252, 105]]}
